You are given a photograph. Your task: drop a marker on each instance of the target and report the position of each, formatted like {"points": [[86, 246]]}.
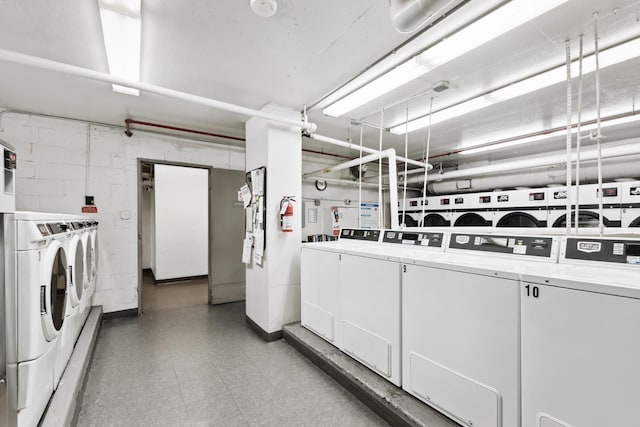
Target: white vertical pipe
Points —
{"points": [[426, 160], [406, 154], [578, 135], [568, 215], [598, 135], [393, 187], [360, 184], [380, 201]]}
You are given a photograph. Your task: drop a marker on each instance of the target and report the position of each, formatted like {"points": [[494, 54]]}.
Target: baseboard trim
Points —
{"points": [[132, 312], [267, 336], [162, 282]]}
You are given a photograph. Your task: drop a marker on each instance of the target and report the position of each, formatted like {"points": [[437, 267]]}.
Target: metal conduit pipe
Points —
{"points": [[393, 177], [615, 167], [623, 148], [59, 67], [409, 15], [356, 147]]}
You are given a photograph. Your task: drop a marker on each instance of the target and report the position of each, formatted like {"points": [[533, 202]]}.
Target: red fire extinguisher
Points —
{"points": [[286, 214]]}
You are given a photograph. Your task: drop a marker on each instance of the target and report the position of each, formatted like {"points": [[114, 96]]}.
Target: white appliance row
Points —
{"points": [[532, 208], [448, 325], [50, 273]]}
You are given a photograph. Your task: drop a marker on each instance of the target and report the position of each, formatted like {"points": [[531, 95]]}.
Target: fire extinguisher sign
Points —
{"points": [[335, 215], [286, 214]]}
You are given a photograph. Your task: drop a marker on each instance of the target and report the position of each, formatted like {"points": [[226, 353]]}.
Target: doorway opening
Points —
{"points": [[190, 234], [174, 235]]}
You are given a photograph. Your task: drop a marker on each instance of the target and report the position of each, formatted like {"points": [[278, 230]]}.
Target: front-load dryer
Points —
{"points": [[37, 266], [87, 243], [630, 204], [588, 212], [521, 209], [473, 210], [71, 329], [461, 324]]}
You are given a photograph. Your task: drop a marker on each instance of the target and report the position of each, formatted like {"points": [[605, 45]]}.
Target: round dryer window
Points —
{"points": [[78, 273], [58, 289], [89, 263]]}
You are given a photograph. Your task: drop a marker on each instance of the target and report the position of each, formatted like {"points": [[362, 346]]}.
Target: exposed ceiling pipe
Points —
{"points": [[408, 16], [623, 148], [59, 67], [393, 178], [618, 167], [356, 147], [129, 132], [339, 181]]}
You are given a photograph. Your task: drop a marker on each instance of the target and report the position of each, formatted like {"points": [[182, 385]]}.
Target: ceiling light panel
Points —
{"points": [[498, 22], [121, 29], [609, 57]]}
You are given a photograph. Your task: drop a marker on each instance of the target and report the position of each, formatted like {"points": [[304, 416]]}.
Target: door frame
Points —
{"points": [[209, 216]]}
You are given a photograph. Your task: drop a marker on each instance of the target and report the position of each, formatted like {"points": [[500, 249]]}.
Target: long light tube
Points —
{"points": [[612, 56], [121, 30], [536, 138], [493, 25]]}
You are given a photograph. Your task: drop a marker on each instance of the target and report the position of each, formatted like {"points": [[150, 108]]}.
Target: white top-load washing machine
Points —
{"points": [[37, 274], [320, 280], [520, 208], [588, 213], [461, 324], [370, 297], [473, 210], [581, 337], [630, 200]]}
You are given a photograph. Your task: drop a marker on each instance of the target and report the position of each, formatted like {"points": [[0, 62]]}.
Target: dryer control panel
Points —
{"points": [[618, 251]]}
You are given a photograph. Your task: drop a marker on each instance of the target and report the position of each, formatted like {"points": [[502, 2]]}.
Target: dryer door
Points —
{"points": [[78, 270], [53, 291]]}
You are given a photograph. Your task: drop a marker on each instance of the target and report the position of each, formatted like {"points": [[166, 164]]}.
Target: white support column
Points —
{"points": [[273, 289]]}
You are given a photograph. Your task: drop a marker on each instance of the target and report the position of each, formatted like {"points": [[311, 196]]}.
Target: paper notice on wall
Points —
{"points": [[312, 215], [245, 194], [369, 213], [258, 251], [335, 215], [246, 248]]}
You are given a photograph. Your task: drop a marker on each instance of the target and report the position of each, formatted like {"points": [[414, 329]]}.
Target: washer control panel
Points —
{"points": [[620, 251], [516, 245], [413, 238], [356, 234]]}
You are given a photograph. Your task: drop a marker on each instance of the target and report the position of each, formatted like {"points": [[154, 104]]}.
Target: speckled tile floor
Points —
{"points": [[200, 365]]}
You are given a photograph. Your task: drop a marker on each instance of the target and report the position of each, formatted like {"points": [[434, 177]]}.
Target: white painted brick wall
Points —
{"points": [[51, 178]]}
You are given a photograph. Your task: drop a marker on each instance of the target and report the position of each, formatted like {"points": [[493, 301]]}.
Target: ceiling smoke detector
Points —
{"points": [[264, 8]]}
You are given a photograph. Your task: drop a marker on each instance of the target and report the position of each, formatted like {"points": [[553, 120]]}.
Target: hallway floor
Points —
{"points": [[200, 365]]}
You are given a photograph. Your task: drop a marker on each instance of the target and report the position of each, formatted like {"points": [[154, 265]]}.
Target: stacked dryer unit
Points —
{"points": [[588, 211], [472, 210], [520, 208], [8, 298], [37, 275], [630, 199]]}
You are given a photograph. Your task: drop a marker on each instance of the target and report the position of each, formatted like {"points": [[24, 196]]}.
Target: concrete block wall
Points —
{"points": [[60, 161]]}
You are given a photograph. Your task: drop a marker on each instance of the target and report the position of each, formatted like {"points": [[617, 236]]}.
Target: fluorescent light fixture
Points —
{"points": [[500, 21], [507, 144], [612, 56], [121, 30]]}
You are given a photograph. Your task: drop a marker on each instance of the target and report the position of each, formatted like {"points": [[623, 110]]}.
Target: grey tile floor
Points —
{"points": [[200, 365]]}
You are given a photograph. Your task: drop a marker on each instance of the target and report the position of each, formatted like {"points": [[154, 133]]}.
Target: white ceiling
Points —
{"points": [[222, 50]]}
